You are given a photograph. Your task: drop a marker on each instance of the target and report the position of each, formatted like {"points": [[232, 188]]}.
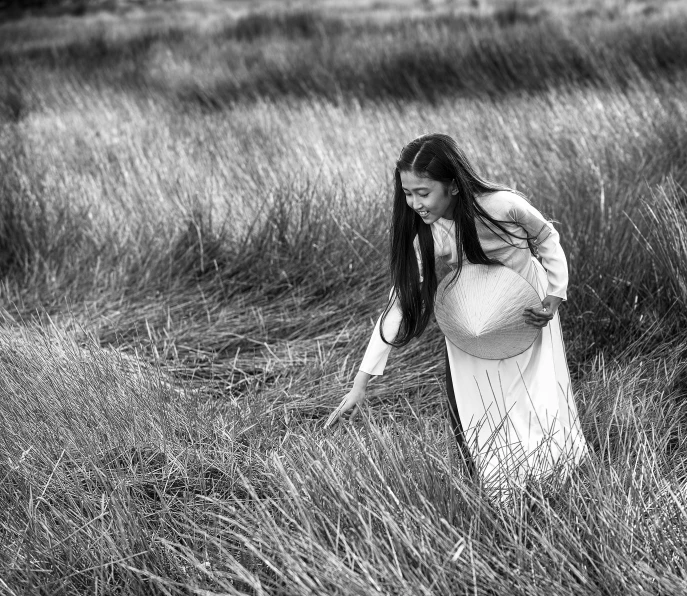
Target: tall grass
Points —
{"points": [[187, 291], [274, 206], [114, 481]]}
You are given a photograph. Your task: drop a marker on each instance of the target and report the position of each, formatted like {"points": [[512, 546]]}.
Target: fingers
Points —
{"points": [[539, 313], [334, 416], [339, 412], [537, 317]]}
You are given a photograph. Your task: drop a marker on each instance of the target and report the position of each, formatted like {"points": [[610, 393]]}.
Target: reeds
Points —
{"points": [[187, 292], [113, 480]]}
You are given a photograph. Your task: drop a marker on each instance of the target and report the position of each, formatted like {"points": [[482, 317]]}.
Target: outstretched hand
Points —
{"points": [[540, 317], [351, 402]]}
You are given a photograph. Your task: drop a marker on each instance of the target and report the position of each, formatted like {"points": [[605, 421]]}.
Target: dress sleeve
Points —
{"points": [[547, 241], [377, 351]]}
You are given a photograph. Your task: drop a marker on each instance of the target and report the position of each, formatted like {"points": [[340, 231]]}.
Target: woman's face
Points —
{"points": [[430, 198]]}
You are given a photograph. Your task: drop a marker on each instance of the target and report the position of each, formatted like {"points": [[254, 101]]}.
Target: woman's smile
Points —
{"points": [[430, 199]]}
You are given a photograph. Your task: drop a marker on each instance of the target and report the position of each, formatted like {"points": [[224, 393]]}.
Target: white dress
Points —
{"points": [[518, 414]]}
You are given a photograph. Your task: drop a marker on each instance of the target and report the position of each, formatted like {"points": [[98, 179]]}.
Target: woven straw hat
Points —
{"points": [[482, 311]]}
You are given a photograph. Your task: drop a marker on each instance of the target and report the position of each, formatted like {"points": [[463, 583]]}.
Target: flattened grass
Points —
{"points": [[113, 481]]}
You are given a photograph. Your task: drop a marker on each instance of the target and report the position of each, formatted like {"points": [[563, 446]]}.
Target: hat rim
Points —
{"points": [[514, 341]]}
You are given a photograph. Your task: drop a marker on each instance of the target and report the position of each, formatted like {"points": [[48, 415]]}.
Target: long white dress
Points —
{"points": [[518, 414]]}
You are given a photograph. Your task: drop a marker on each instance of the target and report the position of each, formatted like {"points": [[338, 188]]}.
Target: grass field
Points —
{"points": [[194, 201]]}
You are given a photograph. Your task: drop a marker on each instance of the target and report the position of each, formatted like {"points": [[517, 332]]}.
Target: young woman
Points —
{"points": [[510, 416]]}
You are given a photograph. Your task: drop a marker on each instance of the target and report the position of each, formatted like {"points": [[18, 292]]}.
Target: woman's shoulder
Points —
{"points": [[502, 202], [501, 196]]}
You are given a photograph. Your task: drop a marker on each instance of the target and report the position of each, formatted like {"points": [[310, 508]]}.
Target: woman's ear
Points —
{"points": [[453, 187]]}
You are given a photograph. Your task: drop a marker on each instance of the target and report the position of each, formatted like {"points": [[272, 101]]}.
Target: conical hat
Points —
{"points": [[482, 311]]}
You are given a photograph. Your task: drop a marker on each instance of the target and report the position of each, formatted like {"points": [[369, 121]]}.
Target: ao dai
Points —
{"points": [[518, 414]]}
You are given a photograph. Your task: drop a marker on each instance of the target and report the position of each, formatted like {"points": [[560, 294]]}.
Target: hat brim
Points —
{"points": [[481, 312]]}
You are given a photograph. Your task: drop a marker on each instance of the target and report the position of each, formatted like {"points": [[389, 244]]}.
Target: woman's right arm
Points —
{"points": [[373, 364], [376, 355]]}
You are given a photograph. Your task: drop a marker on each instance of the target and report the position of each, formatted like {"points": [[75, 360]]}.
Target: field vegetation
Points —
{"points": [[194, 203]]}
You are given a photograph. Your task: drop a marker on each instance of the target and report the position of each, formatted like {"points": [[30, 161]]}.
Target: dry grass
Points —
{"points": [[187, 291], [114, 482]]}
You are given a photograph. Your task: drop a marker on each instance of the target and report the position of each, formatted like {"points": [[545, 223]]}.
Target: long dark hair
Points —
{"points": [[435, 156]]}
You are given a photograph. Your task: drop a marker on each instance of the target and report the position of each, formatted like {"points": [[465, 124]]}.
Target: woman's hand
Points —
{"points": [[351, 401], [540, 317]]}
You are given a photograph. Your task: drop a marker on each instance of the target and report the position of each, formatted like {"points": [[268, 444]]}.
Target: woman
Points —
{"points": [[510, 416]]}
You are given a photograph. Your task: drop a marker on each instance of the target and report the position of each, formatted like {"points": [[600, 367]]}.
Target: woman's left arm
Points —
{"points": [[547, 241]]}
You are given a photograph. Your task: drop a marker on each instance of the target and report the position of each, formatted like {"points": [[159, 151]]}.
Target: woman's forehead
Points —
{"points": [[411, 180]]}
